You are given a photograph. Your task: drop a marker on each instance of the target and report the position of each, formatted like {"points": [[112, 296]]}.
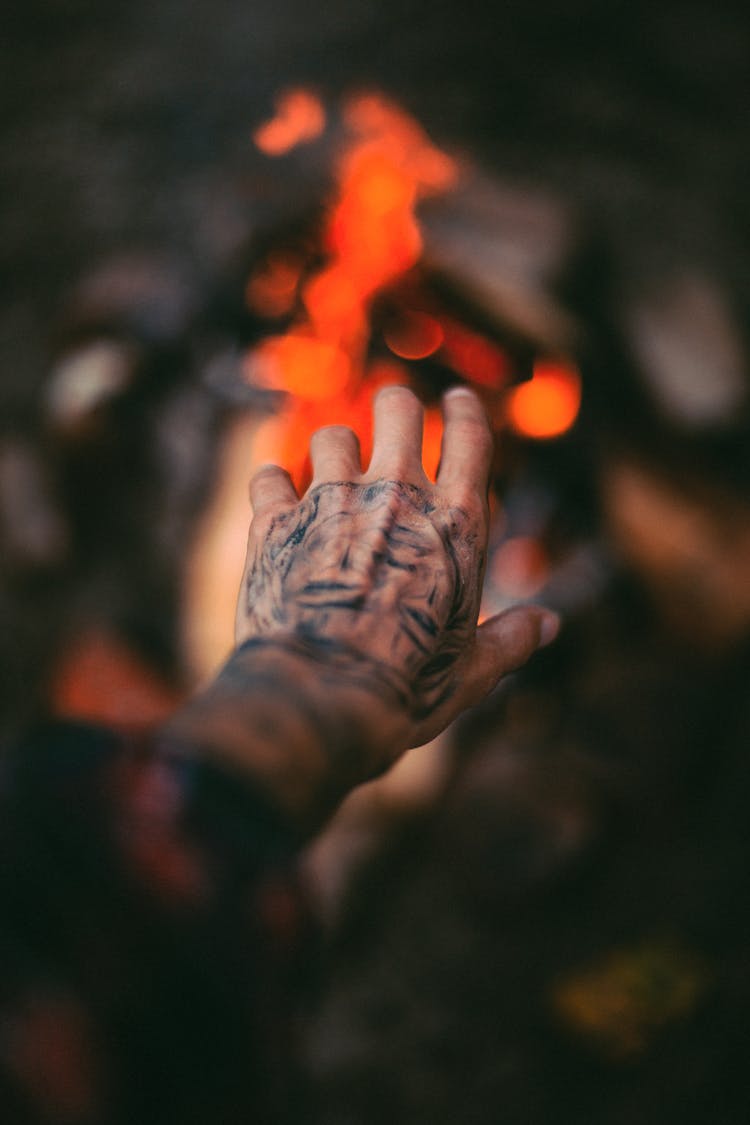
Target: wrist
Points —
{"points": [[306, 718]]}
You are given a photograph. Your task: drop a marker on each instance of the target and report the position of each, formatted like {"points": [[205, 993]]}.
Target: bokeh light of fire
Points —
{"points": [[369, 242], [548, 405]]}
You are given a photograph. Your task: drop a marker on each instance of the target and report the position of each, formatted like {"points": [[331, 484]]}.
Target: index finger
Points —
{"points": [[270, 489], [466, 451]]}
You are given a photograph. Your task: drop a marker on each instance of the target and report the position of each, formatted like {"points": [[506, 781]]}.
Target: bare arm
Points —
{"points": [[357, 616]]}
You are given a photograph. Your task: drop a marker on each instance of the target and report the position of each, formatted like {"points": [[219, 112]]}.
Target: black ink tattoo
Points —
{"points": [[377, 579]]}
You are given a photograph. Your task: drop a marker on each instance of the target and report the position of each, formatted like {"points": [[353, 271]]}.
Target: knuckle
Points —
{"points": [[262, 521], [469, 504]]}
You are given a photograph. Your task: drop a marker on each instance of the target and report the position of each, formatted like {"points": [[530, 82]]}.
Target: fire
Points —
{"points": [[371, 236], [431, 441], [415, 335], [99, 679], [299, 117], [474, 357], [369, 244], [373, 231], [371, 116], [547, 406], [334, 306], [289, 362]]}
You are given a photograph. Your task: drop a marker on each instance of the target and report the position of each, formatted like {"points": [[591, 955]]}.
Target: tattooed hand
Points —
{"points": [[379, 574], [357, 622], [357, 617]]}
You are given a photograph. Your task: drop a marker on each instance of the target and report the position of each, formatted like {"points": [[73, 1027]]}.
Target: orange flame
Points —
{"points": [[372, 116], [415, 335], [371, 236], [548, 405], [334, 306], [299, 117], [432, 441], [99, 679], [304, 365], [474, 357]]}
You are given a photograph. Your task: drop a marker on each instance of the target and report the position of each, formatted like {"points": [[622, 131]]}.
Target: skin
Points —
{"points": [[356, 621]]}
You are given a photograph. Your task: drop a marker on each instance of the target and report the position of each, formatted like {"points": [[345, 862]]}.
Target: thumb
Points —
{"points": [[506, 642]]}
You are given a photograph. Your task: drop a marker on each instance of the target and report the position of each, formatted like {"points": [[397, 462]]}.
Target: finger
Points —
{"points": [[505, 643], [271, 489], [397, 442], [466, 452], [502, 644], [334, 452]]}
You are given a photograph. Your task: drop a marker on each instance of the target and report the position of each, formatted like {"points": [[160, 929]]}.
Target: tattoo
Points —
{"points": [[381, 578], [262, 702]]}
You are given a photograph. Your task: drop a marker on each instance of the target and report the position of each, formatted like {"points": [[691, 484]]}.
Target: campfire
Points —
{"points": [[357, 300], [357, 291]]}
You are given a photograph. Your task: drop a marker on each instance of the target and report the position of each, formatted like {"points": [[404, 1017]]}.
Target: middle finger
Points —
{"points": [[397, 442]]}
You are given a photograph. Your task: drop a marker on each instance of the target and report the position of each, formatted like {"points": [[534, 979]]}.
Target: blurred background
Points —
{"points": [[224, 225], [585, 209]]}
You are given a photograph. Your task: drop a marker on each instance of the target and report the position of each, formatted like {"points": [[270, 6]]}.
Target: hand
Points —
{"points": [[376, 577]]}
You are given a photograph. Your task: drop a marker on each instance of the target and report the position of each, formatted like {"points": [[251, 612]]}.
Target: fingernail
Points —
{"points": [[549, 627]]}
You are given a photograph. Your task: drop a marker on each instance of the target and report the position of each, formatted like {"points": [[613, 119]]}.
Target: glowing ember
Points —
{"points": [[299, 117], [414, 335], [474, 357], [547, 406]]}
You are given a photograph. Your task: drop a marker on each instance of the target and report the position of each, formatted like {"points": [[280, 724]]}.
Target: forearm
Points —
{"points": [[300, 719]]}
